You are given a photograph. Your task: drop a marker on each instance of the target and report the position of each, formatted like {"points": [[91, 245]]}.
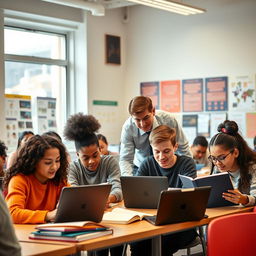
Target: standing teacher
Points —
{"points": [[135, 145]]}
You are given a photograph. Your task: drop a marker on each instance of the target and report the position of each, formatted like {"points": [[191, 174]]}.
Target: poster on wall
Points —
{"points": [[18, 117], [170, 96], [250, 125], [192, 95], [242, 93], [151, 89], [216, 120], [189, 126], [203, 125], [46, 114], [239, 118], [216, 93]]}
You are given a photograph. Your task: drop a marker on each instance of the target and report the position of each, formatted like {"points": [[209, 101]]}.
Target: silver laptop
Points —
{"points": [[181, 205], [83, 203], [143, 191]]}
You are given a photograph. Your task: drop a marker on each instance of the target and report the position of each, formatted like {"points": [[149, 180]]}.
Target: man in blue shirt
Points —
{"points": [[135, 133]]}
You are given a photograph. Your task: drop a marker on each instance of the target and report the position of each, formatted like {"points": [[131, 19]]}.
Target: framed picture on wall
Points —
{"points": [[113, 49]]}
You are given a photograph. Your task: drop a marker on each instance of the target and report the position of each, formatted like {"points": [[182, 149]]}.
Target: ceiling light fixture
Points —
{"points": [[171, 6]]}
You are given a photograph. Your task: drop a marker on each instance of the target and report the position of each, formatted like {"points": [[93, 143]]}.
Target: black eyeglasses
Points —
{"points": [[220, 159]]}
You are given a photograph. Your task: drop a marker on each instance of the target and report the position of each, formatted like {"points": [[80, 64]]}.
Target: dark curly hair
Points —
{"points": [[3, 149], [81, 129], [32, 152], [229, 138]]}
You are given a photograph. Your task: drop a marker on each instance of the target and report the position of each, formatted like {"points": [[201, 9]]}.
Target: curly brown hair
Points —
{"points": [[81, 128], [32, 152]]}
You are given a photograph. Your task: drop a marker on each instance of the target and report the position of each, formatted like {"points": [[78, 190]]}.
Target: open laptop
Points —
{"points": [[143, 191], [83, 203], [181, 205]]}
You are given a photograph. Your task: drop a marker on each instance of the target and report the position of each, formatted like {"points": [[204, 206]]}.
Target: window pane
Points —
{"points": [[34, 79], [36, 44]]}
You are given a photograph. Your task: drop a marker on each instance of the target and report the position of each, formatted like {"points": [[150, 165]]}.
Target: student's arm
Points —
{"points": [[144, 168], [188, 167], [114, 179], [8, 243], [73, 174], [16, 200], [127, 150], [183, 148]]}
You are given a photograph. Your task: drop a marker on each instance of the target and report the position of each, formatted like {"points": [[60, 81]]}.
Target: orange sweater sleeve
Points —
{"points": [[18, 191]]}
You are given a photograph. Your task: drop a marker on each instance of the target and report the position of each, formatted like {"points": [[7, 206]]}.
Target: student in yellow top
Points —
{"points": [[35, 181]]}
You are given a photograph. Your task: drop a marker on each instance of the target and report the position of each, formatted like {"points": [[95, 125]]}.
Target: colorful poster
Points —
{"points": [[192, 95], [242, 93], [18, 115], [216, 93], [46, 114], [216, 120], [203, 125], [189, 126], [250, 125], [239, 118], [170, 96], [151, 89]]}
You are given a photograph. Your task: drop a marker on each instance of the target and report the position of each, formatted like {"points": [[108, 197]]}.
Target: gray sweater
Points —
{"points": [[107, 171]]}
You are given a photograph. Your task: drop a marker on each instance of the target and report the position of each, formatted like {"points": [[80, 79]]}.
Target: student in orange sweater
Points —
{"points": [[35, 181]]}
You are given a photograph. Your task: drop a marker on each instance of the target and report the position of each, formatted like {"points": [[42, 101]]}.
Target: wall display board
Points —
{"points": [[189, 126], [242, 93], [203, 125], [18, 117], [46, 114], [192, 95], [217, 119], [151, 89], [250, 125], [216, 93], [170, 96]]}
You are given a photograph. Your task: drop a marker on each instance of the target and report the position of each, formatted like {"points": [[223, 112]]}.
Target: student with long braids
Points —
{"points": [[34, 183], [91, 167], [229, 152]]}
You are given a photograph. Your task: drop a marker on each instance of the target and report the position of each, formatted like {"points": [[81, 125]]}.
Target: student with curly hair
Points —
{"points": [[230, 153], [3, 156], [91, 167], [35, 181]]}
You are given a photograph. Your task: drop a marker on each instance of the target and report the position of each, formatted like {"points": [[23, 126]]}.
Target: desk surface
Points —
{"points": [[43, 249], [137, 230]]}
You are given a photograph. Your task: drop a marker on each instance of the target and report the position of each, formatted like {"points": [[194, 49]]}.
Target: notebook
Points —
{"points": [[82, 203], [181, 205], [143, 191]]}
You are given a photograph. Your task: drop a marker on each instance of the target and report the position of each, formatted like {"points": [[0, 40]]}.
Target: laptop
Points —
{"points": [[181, 205], [142, 191], [82, 203]]}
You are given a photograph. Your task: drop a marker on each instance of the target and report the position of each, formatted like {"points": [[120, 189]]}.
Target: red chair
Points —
{"points": [[232, 235]]}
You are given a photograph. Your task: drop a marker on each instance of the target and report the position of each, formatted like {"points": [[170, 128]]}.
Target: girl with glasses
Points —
{"points": [[229, 152]]}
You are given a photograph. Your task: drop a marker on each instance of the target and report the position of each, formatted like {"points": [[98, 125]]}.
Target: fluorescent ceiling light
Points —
{"points": [[171, 6]]}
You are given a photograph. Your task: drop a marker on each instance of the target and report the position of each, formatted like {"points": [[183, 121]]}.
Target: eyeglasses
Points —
{"points": [[220, 159]]}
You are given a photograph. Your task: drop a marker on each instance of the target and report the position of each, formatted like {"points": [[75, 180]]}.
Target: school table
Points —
{"points": [[46, 249], [138, 230]]}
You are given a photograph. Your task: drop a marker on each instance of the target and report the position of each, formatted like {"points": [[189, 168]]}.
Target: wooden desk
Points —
{"points": [[137, 230], [43, 249]]}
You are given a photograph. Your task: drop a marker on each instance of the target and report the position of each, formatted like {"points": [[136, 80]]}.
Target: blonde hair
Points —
{"points": [[162, 133], [139, 104]]}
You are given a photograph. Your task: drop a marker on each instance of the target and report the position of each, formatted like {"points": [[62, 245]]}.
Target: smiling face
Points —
{"points": [[228, 158], [90, 157], [144, 120], [47, 166], [164, 153]]}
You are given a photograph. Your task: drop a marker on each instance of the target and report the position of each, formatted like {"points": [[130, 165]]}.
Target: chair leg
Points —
{"points": [[124, 250], [202, 238]]}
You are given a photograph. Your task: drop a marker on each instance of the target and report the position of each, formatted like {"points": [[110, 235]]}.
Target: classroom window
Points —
{"points": [[36, 65]]}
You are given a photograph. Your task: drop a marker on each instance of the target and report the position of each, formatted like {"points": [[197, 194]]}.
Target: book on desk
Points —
{"points": [[70, 231], [123, 216], [219, 182]]}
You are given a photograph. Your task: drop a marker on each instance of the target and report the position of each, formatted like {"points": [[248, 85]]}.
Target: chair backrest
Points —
{"points": [[232, 235]]}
